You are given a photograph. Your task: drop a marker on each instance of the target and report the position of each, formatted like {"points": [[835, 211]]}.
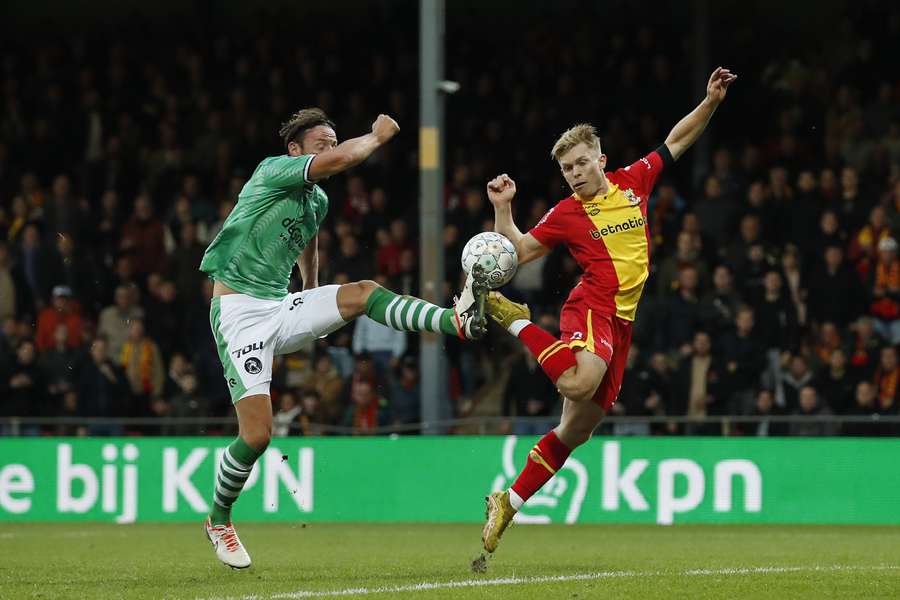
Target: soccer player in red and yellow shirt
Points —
{"points": [[604, 224]]}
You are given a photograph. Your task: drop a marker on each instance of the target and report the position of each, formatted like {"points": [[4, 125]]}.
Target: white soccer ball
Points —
{"points": [[495, 253]]}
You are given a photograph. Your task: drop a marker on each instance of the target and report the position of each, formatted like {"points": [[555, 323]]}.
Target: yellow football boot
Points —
{"points": [[504, 311], [499, 514]]}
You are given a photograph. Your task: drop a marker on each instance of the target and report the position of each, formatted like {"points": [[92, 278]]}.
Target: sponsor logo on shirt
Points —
{"points": [[292, 233], [617, 228]]}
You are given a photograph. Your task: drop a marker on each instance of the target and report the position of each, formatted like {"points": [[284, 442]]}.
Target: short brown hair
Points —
{"points": [[571, 137], [293, 129]]}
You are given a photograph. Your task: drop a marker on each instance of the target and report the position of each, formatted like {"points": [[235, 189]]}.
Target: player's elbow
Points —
{"points": [[331, 163]]}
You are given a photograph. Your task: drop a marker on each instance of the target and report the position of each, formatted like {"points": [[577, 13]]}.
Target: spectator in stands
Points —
{"points": [[686, 255], [58, 367], [187, 402], [865, 405], [25, 393], [719, 307], [115, 320], [865, 348], [367, 409], [810, 406], [386, 346], [166, 318], [833, 280], [102, 390], [9, 294], [143, 365], [311, 418], [683, 313], [744, 358], [775, 316], [884, 291], [405, 394], [62, 311], [887, 380], [328, 385], [286, 418], [34, 259], [73, 267], [765, 408], [835, 383], [717, 211], [144, 235], [184, 260], [697, 385], [795, 378]]}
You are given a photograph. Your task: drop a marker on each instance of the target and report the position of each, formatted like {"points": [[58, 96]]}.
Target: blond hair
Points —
{"points": [[571, 137]]}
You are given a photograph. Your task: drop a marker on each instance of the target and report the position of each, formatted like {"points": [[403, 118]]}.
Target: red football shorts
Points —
{"points": [[607, 336]]}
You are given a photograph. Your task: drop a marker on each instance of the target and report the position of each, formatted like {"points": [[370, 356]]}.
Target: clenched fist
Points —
{"points": [[501, 190], [384, 128]]}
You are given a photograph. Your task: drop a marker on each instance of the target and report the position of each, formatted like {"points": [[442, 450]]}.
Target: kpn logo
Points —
{"points": [[665, 488], [132, 481]]}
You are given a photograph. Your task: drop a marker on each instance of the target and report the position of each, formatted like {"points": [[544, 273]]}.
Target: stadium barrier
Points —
{"points": [[661, 480], [879, 424]]}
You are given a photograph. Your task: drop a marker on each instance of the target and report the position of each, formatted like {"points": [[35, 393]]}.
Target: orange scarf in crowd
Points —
{"points": [[145, 362], [887, 387], [887, 277]]}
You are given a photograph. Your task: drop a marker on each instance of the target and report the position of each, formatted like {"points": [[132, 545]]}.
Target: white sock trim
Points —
{"points": [[515, 500], [518, 325]]}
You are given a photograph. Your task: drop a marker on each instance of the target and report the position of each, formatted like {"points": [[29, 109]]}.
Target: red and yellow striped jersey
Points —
{"points": [[609, 237]]}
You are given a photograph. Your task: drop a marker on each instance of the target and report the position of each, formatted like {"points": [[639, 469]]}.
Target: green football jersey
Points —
{"points": [[277, 213]]}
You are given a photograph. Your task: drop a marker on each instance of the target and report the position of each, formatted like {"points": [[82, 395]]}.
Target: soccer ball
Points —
{"points": [[496, 255]]}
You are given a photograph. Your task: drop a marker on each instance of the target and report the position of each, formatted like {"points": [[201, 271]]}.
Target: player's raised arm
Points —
{"points": [[688, 129], [500, 191], [353, 151]]}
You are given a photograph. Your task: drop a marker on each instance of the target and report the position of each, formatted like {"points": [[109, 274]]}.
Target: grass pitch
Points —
{"points": [[432, 561]]}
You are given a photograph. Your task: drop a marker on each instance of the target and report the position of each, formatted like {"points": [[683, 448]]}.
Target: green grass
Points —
{"points": [[176, 561]]}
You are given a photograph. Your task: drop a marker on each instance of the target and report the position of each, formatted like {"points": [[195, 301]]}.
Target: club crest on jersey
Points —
{"points": [[633, 199]]}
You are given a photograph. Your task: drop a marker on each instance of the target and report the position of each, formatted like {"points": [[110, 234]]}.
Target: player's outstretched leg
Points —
{"points": [[405, 313]]}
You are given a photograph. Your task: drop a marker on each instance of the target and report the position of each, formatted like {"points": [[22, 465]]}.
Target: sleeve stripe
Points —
{"points": [[306, 169], [667, 159]]}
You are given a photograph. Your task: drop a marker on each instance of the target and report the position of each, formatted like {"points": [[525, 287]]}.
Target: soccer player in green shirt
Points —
{"points": [[253, 317]]}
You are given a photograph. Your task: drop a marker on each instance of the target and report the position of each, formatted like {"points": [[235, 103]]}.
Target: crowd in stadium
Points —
{"points": [[775, 279]]}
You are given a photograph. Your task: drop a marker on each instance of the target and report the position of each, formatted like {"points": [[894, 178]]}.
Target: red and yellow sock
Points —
{"points": [[544, 460], [554, 356]]}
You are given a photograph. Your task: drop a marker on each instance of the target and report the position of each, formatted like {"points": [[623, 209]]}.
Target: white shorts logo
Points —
{"points": [[577, 335]]}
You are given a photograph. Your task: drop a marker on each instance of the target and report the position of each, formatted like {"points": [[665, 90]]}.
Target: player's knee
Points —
{"points": [[258, 436], [353, 296]]}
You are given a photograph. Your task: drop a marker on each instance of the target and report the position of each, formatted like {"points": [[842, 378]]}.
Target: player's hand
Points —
{"points": [[501, 190], [384, 128], [718, 84]]}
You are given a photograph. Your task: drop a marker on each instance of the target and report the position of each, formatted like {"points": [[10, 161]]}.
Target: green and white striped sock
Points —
{"points": [[406, 313], [233, 471]]}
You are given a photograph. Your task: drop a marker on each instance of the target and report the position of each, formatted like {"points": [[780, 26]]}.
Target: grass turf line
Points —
{"points": [[175, 561]]}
